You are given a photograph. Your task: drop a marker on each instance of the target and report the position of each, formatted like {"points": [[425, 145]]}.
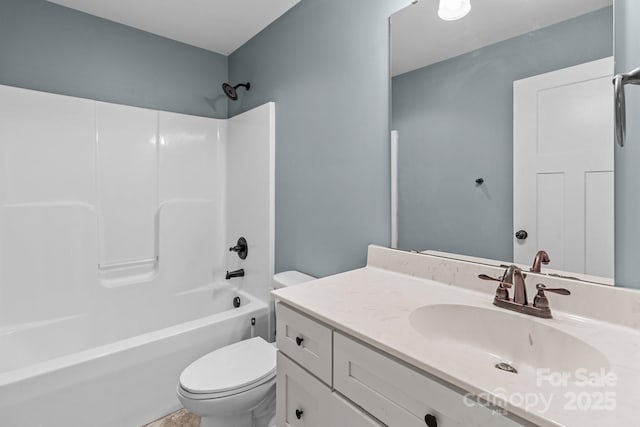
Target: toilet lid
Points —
{"points": [[232, 367]]}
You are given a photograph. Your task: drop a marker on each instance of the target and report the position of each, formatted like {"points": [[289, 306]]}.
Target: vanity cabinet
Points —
{"points": [[303, 400], [306, 341], [324, 377], [399, 395], [304, 391], [345, 414]]}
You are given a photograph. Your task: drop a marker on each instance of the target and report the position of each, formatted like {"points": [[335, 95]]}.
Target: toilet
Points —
{"points": [[234, 386]]}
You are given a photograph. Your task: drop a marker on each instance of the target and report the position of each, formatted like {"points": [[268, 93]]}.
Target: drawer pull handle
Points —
{"points": [[299, 413], [299, 341], [431, 420]]}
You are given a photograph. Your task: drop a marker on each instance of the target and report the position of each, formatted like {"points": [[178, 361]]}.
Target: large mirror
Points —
{"points": [[503, 121]]}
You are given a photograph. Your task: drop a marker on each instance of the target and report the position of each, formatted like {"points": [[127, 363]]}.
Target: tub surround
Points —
{"points": [[63, 209], [374, 305], [115, 224]]}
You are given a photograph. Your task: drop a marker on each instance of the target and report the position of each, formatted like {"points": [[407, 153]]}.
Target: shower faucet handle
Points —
{"points": [[241, 248]]}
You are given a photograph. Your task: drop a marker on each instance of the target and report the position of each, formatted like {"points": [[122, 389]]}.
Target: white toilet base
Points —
{"points": [[265, 412], [235, 410], [238, 420]]}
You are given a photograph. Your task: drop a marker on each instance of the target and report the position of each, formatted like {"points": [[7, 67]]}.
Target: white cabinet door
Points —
{"points": [[400, 396], [345, 414], [305, 341], [563, 168], [301, 399]]}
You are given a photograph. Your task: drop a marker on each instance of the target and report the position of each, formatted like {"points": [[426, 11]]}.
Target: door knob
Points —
{"points": [[521, 234]]}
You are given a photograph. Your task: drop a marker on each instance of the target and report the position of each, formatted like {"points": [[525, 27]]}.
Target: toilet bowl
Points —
{"points": [[234, 386], [226, 385]]}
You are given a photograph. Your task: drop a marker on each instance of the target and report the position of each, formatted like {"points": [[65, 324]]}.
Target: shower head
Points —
{"points": [[232, 91]]}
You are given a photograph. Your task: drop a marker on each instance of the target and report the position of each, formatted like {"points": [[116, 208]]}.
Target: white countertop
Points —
{"points": [[374, 304]]}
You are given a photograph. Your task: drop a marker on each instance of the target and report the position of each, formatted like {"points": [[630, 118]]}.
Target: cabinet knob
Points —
{"points": [[299, 413], [299, 341], [431, 420], [522, 234]]}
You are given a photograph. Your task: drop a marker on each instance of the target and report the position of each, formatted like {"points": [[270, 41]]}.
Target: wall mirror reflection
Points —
{"points": [[503, 120]]}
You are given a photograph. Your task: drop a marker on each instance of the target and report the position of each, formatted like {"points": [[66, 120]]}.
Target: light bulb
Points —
{"points": [[450, 10]]}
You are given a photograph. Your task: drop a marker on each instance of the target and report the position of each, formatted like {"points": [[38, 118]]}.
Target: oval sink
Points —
{"points": [[484, 337]]}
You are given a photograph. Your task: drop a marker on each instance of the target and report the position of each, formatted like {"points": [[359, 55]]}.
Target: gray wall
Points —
{"points": [[325, 64], [627, 159], [51, 48], [455, 121]]}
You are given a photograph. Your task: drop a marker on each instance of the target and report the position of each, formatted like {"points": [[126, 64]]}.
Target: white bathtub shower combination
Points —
{"points": [[115, 224]]}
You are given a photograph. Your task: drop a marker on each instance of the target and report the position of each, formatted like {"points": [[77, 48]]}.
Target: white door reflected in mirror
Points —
{"points": [[563, 168]]}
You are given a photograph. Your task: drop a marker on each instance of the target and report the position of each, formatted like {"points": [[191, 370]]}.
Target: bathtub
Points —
{"points": [[116, 366]]}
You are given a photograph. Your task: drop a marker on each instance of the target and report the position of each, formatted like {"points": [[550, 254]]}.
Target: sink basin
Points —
{"points": [[482, 338]]}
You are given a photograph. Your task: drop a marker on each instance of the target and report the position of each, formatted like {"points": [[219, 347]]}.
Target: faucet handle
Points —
{"points": [[241, 248], [501, 291], [560, 291], [540, 300], [494, 279]]}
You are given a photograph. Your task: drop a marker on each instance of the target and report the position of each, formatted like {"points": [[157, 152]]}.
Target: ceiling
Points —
{"points": [[419, 38], [220, 26]]}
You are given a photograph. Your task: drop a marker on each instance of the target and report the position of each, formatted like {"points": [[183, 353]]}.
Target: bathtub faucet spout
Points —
{"points": [[237, 273]]}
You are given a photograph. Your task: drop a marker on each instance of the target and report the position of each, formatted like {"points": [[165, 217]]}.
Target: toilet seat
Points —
{"points": [[230, 370], [229, 393]]}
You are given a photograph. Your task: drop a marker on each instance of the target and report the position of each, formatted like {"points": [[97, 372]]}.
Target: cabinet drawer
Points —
{"points": [[400, 396], [345, 414], [305, 341], [301, 399]]}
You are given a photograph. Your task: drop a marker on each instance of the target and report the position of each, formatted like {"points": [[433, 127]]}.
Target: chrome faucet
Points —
{"points": [[541, 258], [514, 278]]}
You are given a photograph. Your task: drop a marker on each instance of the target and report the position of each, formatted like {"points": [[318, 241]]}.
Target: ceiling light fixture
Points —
{"points": [[450, 10]]}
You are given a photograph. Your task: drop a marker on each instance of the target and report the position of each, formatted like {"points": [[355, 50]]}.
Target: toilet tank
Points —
{"points": [[290, 278], [283, 280]]}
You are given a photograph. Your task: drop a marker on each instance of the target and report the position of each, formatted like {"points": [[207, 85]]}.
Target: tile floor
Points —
{"points": [[181, 418]]}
